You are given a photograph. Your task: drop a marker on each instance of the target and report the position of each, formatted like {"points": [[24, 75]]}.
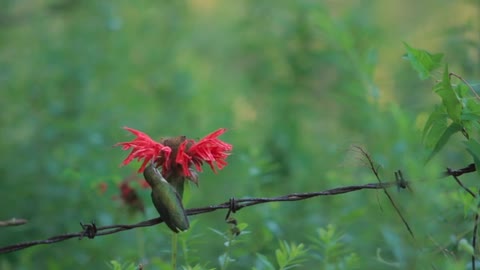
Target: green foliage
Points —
{"points": [[328, 248], [444, 137], [333, 249], [295, 82], [449, 98], [115, 265], [422, 61], [196, 267], [459, 111], [288, 256], [473, 148], [233, 237]]}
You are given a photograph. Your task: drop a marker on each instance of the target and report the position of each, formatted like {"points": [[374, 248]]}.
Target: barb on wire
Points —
{"points": [[91, 230], [399, 180], [232, 203], [455, 174], [470, 168]]}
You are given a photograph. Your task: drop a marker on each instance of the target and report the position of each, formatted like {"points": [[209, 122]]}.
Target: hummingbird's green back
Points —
{"points": [[166, 200]]}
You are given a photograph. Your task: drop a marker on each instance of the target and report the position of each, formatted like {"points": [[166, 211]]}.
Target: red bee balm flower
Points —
{"points": [[144, 148], [177, 155], [209, 149]]}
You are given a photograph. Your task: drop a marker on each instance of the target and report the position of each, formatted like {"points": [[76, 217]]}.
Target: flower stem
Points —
{"points": [[174, 250]]}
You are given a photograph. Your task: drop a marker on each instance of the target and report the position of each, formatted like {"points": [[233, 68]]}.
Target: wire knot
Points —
{"points": [[401, 182], [232, 207], [89, 230]]}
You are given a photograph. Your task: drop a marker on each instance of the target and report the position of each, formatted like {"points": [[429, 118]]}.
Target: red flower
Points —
{"points": [[186, 152], [144, 148], [130, 197], [209, 149]]}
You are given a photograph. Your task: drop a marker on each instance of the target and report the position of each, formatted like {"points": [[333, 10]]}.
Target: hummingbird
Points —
{"points": [[166, 200]]}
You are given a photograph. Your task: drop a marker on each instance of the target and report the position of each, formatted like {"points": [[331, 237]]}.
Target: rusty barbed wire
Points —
{"points": [[468, 169], [455, 174], [401, 182], [91, 230]]}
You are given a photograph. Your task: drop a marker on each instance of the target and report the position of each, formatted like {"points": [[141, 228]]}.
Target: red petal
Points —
{"points": [[144, 148], [211, 150], [184, 159]]}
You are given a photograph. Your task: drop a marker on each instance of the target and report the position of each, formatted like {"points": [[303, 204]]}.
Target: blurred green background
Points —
{"points": [[295, 82]]}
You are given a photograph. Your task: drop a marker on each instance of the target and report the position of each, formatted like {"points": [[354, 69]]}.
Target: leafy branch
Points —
{"points": [[459, 112]]}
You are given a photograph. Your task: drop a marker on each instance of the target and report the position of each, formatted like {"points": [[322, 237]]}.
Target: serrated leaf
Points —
{"points": [[449, 99], [434, 127], [452, 129], [422, 61]]}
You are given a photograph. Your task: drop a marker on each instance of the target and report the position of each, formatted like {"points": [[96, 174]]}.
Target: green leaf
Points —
{"points": [[435, 126], [265, 261], [290, 255], [328, 233], [463, 91], [422, 61], [281, 258], [449, 99], [452, 129], [242, 226], [473, 147], [471, 106], [471, 116], [116, 265]]}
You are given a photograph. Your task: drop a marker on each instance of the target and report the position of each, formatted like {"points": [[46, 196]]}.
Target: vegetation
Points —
{"points": [[296, 83]]}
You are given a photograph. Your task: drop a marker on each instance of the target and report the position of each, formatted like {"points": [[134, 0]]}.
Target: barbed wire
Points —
{"points": [[233, 205], [455, 174], [91, 230], [401, 182]]}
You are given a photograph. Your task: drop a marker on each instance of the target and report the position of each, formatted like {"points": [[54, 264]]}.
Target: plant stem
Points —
{"points": [[226, 259], [174, 250]]}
